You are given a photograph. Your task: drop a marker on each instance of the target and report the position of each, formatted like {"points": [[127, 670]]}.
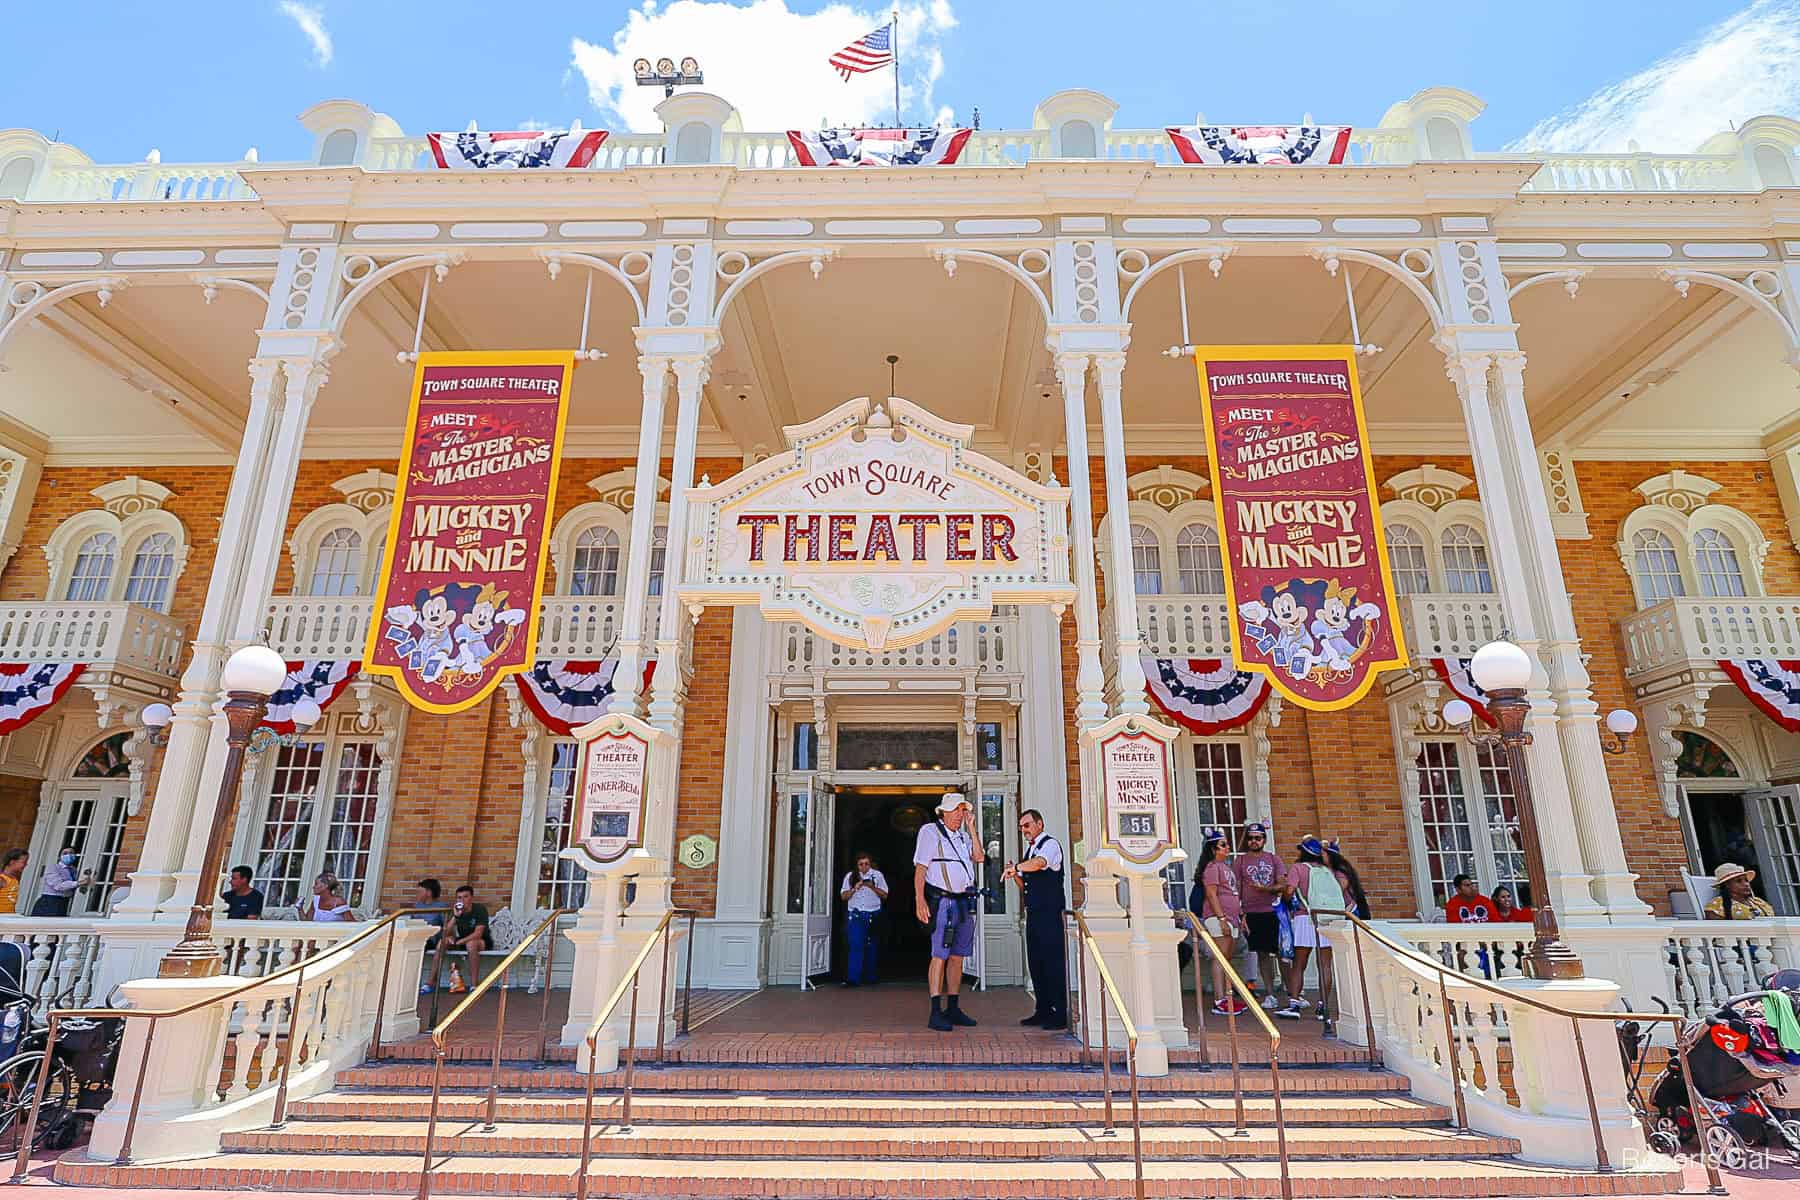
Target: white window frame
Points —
{"points": [[62, 550], [307, 541], [1481, 559], [1427, 549], [1737, 528], [1470, 770], [529, 875], [335, 738]]}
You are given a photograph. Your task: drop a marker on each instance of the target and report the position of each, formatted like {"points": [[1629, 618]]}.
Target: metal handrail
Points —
{"points": [[1702, 1117], [298, 970], [1244, 993], [1086, 939], [438, 1035], [630, 979]]}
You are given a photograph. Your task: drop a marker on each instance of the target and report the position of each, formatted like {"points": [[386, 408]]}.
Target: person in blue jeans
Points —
{"points": [[864, 891]]}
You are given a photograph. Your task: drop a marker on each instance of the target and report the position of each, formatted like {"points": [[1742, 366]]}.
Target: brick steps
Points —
{"points": [[997, 1049], [814, 1179], [864, 1080], [764, 1142], [1036, 1111]]}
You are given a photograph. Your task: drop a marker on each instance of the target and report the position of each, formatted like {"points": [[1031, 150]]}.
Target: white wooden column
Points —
{"points": [[628, 675], [1552, 801], [266, 535], [729, 947], [1121, 585], [1090, 679]]}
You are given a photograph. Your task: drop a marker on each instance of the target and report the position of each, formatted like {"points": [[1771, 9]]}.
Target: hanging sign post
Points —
{"points": [[1306, 562], [1136, 788], [607, 825], [463, 573]]}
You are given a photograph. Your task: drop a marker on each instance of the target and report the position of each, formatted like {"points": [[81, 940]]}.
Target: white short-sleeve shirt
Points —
{"points": [[863, 900], [1048, 849], [948, 864]]}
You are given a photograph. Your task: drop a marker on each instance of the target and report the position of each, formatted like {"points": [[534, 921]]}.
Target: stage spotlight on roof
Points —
{"points": [[667, 75]]}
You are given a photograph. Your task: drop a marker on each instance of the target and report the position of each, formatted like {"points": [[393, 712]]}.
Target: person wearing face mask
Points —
{"points": [[60, 884]]}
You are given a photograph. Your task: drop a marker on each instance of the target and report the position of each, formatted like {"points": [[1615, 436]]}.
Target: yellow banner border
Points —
{"points": [[1205, 354], [470, 358]]}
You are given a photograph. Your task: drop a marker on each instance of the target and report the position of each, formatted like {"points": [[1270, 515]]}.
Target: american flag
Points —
{"points": [[870, 52]]}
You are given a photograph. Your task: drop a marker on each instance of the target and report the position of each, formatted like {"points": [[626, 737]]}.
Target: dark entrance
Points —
{"points": [[884, 825]]}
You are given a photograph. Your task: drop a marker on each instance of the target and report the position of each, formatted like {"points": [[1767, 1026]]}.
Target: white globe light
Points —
{"points": [[1622, 721], [157, 716], [306, 712], [1500, 665], [253, 669], [1458, 712]]}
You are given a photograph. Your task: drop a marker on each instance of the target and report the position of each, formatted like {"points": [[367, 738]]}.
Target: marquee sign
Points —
{"points": [[456, 605], [877, 530], [1306, 563]]}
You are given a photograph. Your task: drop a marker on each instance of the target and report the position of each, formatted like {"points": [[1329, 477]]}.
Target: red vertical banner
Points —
{"points": [[1306, 562], [457, 603]]}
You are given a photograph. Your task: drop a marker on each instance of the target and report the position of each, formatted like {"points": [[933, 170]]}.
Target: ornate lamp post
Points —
{"points": [[250, 676], [1503, 670]]}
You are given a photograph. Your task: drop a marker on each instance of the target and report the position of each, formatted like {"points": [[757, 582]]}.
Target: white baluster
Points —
{"points": [[216, 1054], [245, 1053], [1732, 955], [273, 1015], [1487, 1051], [42, 947]]}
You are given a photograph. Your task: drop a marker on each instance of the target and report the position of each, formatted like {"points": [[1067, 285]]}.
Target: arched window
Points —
{"points": [[1146, 561], [152, 571], [1466, 561], [1406, 555], [1656, 565], [595, 571], [1197, 557], [659, 553], [337, 567], [92, 577], [1716, 564]]}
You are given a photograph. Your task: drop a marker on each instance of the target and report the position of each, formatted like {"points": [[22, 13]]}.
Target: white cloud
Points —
{"points": [[311, 20], [770, 61], [1746, 66]]}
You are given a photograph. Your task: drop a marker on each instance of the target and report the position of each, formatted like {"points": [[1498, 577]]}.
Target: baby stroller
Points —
{"points": [[1664, 1136], [79, 1081], [1738, 1068]]}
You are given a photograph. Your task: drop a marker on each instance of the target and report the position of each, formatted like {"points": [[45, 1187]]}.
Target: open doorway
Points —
{"points": [[884, 825]]}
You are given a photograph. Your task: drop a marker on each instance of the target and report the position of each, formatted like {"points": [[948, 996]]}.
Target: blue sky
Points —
{"points": [[205, 79]]}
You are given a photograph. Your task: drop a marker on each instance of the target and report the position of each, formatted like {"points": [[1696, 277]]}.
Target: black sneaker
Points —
{"points": [[940, 1022], [1034, 1019], [957, 1016], [1055, 1024]]}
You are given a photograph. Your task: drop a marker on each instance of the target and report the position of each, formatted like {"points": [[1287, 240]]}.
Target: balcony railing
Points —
{"points": [[1632, 172], [1444, 625], [1436, 626], [1184, 626], [126, 636], [984, 646], [1672, 634], [337, 627]]}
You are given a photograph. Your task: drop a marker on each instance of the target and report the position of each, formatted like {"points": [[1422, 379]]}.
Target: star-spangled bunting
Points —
{"points": [[1772, 684], [877, 147], [567, 693], [1455, 674], [520, 150], [1205, 695], [1261, 145], [27, 689], [323, 680]]}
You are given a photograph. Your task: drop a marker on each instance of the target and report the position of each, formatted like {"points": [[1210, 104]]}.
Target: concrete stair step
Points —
{"points": [[1016, 1112], [762, 1142], [999, 1048], [943, 1080], [815, 1179]]}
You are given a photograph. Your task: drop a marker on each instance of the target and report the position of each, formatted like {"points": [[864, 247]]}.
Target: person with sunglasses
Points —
{"points": [[1261, 874]]}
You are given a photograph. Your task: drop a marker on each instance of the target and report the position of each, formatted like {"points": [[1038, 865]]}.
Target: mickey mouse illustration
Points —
{"points": [[420, 631], [1289, 643]]}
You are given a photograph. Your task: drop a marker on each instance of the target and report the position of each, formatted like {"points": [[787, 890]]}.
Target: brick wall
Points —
{"points": [[1601, 593], [703, 760], [18, 811]]}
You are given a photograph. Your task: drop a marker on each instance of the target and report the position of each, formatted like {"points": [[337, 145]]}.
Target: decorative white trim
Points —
{"points": [[1679, 511], [131, 495], [368, 490], [132, 516], [1679, 490], [1568, 518], [1167, 487], [1429, 485], [370, 524]]}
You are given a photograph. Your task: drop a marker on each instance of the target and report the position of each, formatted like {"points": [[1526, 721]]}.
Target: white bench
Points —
{"points": [[506, 931]]}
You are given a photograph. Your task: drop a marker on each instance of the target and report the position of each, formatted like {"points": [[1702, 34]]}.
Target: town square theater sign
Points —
{"points": [[878, 528]]}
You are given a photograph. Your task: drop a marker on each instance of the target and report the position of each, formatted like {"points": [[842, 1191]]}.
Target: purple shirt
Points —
{"points": [[1262, 868], [1222, 893]]}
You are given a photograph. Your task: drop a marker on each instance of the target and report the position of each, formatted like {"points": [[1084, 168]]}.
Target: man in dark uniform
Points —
{"points": [[1040, 877]]}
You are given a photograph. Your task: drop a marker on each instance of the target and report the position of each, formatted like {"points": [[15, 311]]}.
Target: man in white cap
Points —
{"points": [[944, 862]]}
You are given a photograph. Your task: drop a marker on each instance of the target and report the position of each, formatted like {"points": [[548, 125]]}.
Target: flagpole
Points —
{"points": [[896, 41]]}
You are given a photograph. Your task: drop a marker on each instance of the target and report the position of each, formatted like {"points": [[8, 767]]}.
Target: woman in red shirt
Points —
{"points": [[1507, 909]]}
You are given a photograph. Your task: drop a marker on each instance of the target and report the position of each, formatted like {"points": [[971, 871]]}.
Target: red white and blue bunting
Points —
{"points": [[1455, 674], [521, 150], [323, 680], [1205, 695], [1772, 684], [27, 689], [567, 693], [1261, 145], [877, 147]]}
